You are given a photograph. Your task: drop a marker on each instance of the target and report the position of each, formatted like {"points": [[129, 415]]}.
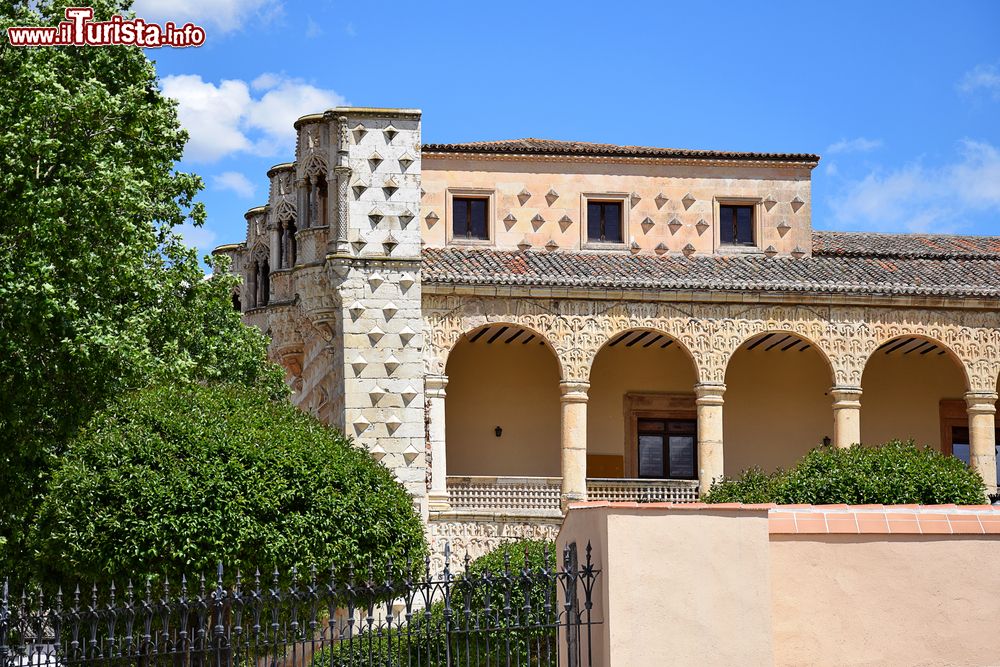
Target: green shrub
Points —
{"points": [[894, 473], [177, 478], [752, 486]]}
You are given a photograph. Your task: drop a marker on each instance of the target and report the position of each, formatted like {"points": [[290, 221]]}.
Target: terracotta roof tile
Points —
{"points": [[836, 273], [532, 146], [912, 246]]}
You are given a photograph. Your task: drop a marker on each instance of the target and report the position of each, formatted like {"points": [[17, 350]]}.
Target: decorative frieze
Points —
{"points": [[711, 332]]}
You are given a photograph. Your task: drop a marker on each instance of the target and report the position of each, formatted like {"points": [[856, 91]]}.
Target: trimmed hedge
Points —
{"points": [[894, 473], [177, 478]]}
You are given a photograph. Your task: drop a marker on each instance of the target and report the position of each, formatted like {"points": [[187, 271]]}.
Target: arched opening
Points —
{"points": [[502, 404], [778, 403], [913, 388], [287, 244], [258, 280], [315, 201], [641, 414]]}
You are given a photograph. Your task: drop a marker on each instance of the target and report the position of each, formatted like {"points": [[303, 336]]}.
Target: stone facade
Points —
{"points": [[363, 317]]}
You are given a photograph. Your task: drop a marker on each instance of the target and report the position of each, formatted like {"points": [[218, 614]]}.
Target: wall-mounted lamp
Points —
{"points": [[826, 441], [498, 431]]}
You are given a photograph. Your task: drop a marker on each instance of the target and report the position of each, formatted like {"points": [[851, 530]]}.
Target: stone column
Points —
{"points": [[846, 415], [710, 461], [434, 386], [573, 402], [982, 436]]}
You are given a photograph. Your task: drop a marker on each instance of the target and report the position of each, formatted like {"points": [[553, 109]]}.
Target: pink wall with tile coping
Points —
{"points": [[793, 584]]}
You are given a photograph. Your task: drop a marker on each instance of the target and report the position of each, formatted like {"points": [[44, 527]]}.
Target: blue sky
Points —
{"points": [[901, 100]]}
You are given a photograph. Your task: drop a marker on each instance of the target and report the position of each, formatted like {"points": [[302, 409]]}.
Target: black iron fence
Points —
{"points": [[408, 617]]}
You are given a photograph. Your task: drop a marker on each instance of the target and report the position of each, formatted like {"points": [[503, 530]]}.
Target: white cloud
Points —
{"points": [[234, 181], [858, 145], [211, 114], [916, 198], [985, 77], [350, 29], [222, 15], [201, 238], [265, 81], [226, 118], [313, 29]]}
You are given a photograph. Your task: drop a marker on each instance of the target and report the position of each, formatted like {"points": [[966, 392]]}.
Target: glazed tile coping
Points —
{"points": [[842, 519]]}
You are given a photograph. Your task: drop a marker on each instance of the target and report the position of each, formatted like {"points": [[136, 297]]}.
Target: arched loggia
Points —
{"points": [[913, 388], [778, 403], [502, 404], [641, 416]]}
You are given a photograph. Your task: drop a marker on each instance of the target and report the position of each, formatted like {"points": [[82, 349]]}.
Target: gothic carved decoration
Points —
{"points": [[846, 336], [477, 538]]}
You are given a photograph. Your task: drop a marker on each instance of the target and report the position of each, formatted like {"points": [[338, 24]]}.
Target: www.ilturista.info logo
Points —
{"points": [[79, 29]]}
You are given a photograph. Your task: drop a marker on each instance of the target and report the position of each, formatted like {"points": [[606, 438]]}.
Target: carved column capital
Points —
{"points": [[434, 386], [573, 392], [709, 393], [845, 396], [981, 402]]}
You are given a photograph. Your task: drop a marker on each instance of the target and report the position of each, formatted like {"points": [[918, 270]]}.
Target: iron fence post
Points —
{"points": [[570, 567]]}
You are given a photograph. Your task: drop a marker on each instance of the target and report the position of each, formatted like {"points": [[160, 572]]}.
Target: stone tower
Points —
{"points": [[331, 270], [373, 264]]}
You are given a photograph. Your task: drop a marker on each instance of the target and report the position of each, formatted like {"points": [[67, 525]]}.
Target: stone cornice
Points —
{"points": [[329, 114], [229, 247], [709, 296], [537, 157], [278, 168]]}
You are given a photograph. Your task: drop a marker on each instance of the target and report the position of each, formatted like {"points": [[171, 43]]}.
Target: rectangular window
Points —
{"points": [[604, 221], [469, 218], [961, 449], [667, 448], [736, 225]]}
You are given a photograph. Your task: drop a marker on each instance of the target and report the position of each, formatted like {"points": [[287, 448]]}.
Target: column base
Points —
{"points": [[569, 499]]}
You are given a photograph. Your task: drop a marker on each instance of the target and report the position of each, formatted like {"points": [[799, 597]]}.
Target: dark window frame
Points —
{"points": [[468, 235], [731, 210], [602, 205], [664, 430]]}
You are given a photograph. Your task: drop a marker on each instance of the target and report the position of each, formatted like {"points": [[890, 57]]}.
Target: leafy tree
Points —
{"points": [[98, 293], [894, 473], [173, 479]]}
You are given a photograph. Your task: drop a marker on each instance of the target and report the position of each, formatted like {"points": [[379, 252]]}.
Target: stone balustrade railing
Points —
{"points": [[643, 490], [539, 496], [504, 495]]}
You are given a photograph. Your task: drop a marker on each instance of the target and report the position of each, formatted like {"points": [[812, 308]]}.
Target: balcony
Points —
{"points": [[539, 496]]}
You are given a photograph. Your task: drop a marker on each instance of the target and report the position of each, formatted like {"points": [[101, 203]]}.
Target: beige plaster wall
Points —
{"points": [[512, 386], [680, 588], [777, 407], [879, 600], [902, 396], [619, 370], [507, 178], [711, 586]]}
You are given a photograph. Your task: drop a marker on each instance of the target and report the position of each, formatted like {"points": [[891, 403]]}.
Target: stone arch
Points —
{"points": [[505, 330], [502, 403], [646, 337], [806, 340], [777, 401], [639, 376], [932, 345], [910, 382], [257, 279], [448, 319]]}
